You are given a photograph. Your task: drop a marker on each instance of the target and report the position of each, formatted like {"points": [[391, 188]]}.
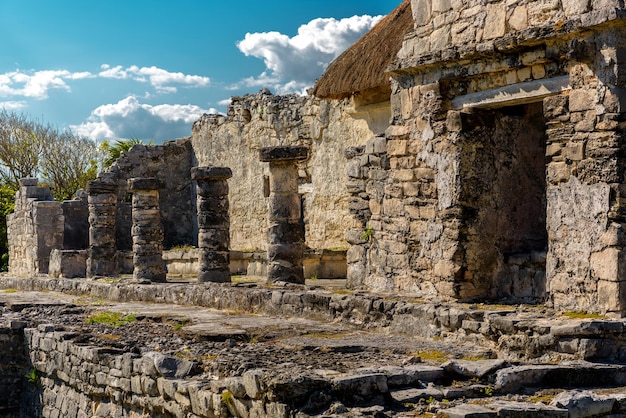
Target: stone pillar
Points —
{"points": [[286, 230], [213, 223], [102, 202], [147, 231]]}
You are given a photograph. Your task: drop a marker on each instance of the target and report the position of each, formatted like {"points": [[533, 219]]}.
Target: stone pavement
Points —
{"points": [[295, 350]]}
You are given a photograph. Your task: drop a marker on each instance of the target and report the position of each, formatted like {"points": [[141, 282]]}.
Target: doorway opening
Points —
{"points": [[503, 196]]}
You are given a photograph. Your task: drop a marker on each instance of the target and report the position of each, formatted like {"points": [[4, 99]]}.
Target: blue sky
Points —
{"points": [[148, 69]]}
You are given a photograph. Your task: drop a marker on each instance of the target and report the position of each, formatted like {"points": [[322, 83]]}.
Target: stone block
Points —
{"points": [[574, 8], [558, 172], [470, 411], [361, 385], [611, 296], [519, 18], [422, 12], [252, 383], [495, 22], [581, 100], [609, 264], [441, 38], [397, 147]]}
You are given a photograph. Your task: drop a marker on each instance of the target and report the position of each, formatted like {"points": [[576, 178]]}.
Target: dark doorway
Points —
{"points": [[503, 194]]}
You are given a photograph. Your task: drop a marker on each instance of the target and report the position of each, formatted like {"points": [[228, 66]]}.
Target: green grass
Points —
{"points": [[583, 315], [432, 355], [116, 319], [10, 290], [227, 398]]}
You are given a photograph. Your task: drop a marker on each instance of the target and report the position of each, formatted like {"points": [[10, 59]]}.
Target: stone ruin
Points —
{"points": [[488, 164]]}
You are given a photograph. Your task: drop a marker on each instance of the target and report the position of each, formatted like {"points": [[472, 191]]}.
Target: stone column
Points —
{"points": [[286, 230], [213, 223], [147, 231], [102, 202]]}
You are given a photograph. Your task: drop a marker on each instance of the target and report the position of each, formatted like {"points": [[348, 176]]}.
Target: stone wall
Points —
{"points": [[447, 29], [260, 120], [76, 215], [34, 229], [13, 369], [79, 380], [466, 190], [170, 163]]}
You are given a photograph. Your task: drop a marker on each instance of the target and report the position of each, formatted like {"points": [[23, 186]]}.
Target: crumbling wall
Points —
{"points": [[170, 163], [263, 119], [76, 215], [34, 229]]}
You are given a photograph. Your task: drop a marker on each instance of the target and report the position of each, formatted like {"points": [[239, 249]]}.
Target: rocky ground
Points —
{"points": [[229, 343]]}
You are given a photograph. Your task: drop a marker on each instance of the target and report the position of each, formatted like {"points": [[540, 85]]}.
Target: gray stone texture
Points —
{"points": [[169, 162], [102, 260], [147, 231], [213, 223], [34, 229]]}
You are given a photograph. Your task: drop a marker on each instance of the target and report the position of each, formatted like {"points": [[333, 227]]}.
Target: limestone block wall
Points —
{"points": [[263, 119], [585, 174], [77, 380], [76, 214], [34, 229], [447, 29], [429, 196]]}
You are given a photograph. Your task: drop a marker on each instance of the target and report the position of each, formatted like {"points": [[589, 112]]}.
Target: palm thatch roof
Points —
{"points": [[362, 67]]}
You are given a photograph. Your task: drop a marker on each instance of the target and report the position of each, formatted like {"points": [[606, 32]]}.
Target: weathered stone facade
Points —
{"points": [[505, 144], [494, 172], [264, 120]]}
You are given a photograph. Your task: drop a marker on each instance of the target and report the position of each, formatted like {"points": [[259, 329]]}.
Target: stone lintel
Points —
{"points": [[101, 187], [211, 173], [515, 94], [29, 181], [145, 183], [271, 154]]}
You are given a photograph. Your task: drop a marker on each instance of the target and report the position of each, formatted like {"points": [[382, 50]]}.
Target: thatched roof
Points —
{"points": [[362, 67]]}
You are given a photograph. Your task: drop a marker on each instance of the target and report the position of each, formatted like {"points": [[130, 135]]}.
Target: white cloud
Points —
{"points": [[293, 64], [13, 105], [36, 84], [129, 118], [158, 78]]}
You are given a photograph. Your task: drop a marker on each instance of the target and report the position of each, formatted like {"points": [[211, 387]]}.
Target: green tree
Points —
{"points": [[113, 151], [22, 140], [68, 163], [31, 148]]}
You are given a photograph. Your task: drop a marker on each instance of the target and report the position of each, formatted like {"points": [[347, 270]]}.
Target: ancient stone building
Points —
{"points": [[501, 175], [462, 149]]}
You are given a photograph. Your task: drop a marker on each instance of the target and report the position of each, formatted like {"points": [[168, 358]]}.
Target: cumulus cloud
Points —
{"points": [[162, 80], [294, 63], [129, 118], [36, 84]]}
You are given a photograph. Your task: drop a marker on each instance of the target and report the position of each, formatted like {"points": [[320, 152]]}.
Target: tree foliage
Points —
{"points": [[113, 151], [31, 148]]}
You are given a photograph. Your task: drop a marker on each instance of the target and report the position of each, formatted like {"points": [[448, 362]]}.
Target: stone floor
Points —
{"points": [[478, 367]]}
